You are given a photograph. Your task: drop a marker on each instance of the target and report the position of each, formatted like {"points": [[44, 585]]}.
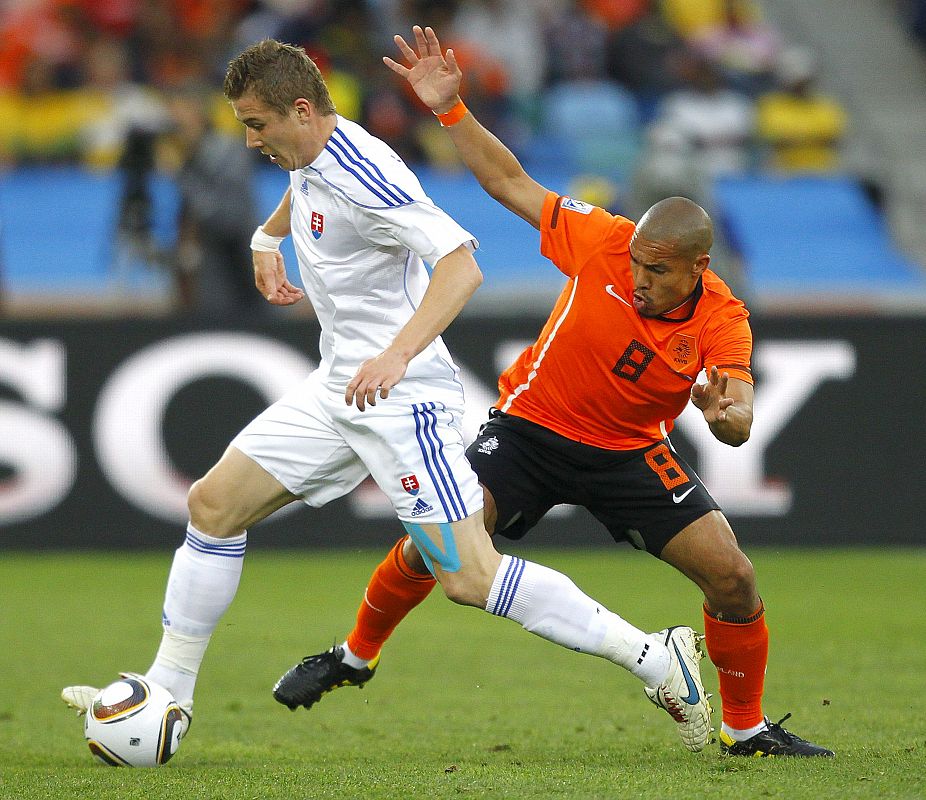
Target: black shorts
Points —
{"points": [[644, 496]]}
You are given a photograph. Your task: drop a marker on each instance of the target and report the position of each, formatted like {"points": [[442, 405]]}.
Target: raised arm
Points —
{"points": [[435, 76]]}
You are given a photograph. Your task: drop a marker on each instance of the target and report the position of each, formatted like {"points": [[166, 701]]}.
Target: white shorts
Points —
{"points": [[320, 448]]}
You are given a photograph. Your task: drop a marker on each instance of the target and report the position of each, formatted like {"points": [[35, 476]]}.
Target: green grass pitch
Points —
{"points": [[464, 705]]}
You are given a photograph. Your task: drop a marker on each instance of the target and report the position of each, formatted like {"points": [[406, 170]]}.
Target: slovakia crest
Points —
{"points": [[410, 484], [317, 224]]}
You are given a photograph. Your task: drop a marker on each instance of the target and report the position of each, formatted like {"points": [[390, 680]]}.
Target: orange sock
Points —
{"points": [[394, 590], [739, 650]]}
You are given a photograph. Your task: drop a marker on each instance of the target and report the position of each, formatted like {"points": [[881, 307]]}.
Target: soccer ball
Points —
{"points": [[133, 723]]}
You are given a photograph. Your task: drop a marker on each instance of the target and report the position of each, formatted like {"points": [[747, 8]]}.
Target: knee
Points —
{"points": [[206, 509], [463, 588], [733, 589]]}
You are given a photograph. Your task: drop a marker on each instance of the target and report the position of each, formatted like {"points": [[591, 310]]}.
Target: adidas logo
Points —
{"points": [[305, 187], [421, 507]]}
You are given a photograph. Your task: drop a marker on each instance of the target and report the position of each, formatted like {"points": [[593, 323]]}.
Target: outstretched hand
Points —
{"points": [[711, 397], [435, 76]]}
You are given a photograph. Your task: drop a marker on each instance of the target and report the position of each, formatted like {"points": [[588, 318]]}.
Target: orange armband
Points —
{"points": [[453, 116]]}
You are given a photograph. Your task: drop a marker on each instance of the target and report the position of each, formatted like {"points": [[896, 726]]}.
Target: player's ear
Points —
{"points": [[702, 262], [304, 109]]}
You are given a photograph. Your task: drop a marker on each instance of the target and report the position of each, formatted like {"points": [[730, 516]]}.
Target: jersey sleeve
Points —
{"points": [[421, 227], [571, 232], [730, 348]]}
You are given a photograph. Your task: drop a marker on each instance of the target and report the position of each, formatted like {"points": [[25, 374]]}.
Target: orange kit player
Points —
{"points": [[584, 414]]}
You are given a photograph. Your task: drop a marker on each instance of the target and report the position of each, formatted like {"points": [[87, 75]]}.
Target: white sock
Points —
{"points": [[742, 735], [550, 605], [352, 660], [202, 583], [177, 663]]}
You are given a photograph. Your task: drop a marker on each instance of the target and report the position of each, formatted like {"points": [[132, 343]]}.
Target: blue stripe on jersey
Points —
{"points": [[230, 550], [509, 587], [448, 471], [427, 450], [346, 144], [432, 452], [379, 188], [443, 459], [389, 202], [427, 461]]}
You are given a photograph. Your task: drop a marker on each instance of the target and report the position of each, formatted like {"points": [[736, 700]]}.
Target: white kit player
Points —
{"points": [[386, 400]]}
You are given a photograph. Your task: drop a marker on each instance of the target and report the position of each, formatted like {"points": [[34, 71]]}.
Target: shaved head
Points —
{"points": [[679, 223]]}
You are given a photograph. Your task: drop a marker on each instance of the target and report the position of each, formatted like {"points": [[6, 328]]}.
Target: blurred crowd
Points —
{"points": [[600, 81], [639, 99]]}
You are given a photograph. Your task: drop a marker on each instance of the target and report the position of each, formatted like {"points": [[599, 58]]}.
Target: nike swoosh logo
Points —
{"points": [[610, 290], [677, 498], [693, 696]]}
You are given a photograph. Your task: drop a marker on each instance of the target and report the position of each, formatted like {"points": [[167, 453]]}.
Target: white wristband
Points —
{"points": [[264, 242]]}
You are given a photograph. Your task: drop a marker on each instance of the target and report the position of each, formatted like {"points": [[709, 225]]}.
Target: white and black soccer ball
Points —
{"points": [[133, 723]]}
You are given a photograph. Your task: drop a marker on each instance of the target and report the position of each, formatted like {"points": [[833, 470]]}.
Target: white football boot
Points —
{"points": [[682, 693], [80, 698]]}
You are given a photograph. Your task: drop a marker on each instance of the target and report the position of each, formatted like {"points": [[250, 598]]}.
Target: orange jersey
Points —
{"points": [[599, 373]]}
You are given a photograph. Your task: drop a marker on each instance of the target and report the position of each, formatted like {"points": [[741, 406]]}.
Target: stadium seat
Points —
{"points": [[812, 235]]}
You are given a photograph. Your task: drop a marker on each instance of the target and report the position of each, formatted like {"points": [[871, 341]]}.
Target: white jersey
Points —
{"points": [[363, 229]]}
